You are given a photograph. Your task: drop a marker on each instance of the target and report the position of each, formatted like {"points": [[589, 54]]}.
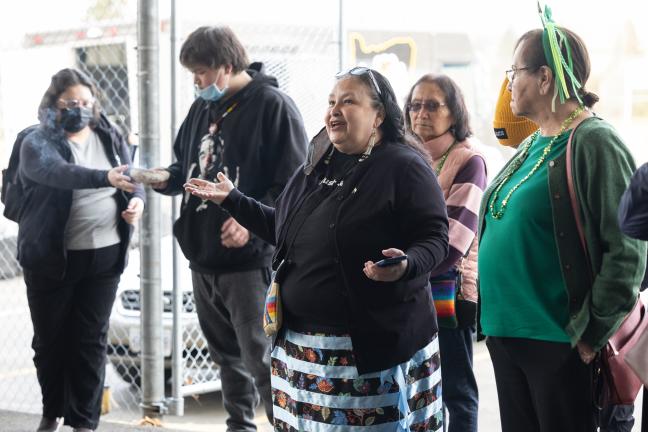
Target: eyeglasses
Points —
{"points": [[430, 106], [361, 70], [75, 103], [510, 74]]}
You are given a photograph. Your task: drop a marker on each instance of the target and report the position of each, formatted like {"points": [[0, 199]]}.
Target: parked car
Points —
{"points": [[124, 338]]}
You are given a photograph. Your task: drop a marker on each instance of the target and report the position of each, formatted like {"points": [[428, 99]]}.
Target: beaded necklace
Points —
{"points": [[497, 214], [443, 158]]}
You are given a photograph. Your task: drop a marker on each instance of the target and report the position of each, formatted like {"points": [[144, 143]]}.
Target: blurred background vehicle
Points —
{"points": [[124, 342]]}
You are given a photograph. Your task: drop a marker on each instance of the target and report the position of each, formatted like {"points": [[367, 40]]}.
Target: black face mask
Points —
{"points": [[75, 119]]}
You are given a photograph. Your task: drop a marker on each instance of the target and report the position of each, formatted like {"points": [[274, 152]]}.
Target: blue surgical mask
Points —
{"points": [[210, 93]]}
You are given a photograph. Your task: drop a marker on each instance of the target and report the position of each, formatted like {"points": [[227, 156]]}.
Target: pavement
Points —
{"points": [[205, 413], [202, 413], [11, 421]]}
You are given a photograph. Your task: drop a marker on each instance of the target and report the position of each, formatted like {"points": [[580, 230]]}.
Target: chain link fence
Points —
{"points": [[103, 43], [18, 382], [303, 59], [104, 59]]}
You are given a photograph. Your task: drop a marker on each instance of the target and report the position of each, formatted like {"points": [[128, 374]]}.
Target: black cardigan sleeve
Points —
{"points": [[252, 214], [423, 218]]}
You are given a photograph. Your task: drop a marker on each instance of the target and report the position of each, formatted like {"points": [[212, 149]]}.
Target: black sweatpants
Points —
{"points": [[230, 312], [541, 386], [70, 319]]}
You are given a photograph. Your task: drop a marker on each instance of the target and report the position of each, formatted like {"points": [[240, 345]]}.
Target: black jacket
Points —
{"points": [[264, 142], [49, 178], [391, 200], [633, 210]]}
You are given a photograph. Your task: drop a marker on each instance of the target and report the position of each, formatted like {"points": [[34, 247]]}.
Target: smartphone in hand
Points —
{"points": [[391, 261]]}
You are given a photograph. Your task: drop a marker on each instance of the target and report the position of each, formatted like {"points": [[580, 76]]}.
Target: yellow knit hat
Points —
{"points": [[510, 129]]}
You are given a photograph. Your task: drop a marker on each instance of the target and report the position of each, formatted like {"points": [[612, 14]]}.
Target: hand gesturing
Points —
{"points": [[214, 192]]}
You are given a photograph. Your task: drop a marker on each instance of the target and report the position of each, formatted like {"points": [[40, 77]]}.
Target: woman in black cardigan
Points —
{"points": [[358, 344]]}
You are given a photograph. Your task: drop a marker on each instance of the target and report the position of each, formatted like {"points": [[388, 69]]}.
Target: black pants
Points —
{"points": [[541, 386], [70, 319], [460, 394], [644, 409], [230, 312]]}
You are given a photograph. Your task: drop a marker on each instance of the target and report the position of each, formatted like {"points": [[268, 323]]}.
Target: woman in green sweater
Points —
{"points": [[544, 312]]}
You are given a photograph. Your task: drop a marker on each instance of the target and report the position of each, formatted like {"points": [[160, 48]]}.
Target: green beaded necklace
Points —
{"points": [[443, 158], [497, 214]]}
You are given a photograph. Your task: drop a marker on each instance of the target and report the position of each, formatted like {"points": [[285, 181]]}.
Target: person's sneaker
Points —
{"points": [[48, 425]]}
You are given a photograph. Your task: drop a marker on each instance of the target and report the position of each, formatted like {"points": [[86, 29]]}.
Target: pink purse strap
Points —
{"points": [[572, 197]]}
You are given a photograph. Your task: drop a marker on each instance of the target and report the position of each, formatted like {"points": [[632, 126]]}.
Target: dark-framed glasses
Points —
{"points": [[75, 103], [358, 71], [510, 74], [430, 106]]}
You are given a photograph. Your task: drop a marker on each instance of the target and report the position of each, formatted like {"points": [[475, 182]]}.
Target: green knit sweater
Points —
{"points": [[602, 167]]}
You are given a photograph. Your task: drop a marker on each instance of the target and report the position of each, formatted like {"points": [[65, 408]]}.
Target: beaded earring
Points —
{"points": [[372, 142]]}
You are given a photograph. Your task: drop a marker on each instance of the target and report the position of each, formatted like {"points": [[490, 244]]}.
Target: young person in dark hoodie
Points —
{"points": [[242, 124]]}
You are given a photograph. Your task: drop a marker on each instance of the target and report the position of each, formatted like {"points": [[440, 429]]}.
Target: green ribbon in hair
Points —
{"points": [[552, 40]]}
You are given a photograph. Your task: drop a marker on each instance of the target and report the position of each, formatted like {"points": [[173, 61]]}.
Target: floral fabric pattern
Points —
{"points": [[318, 385]]}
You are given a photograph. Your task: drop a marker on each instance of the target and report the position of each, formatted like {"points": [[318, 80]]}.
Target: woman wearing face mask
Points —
{"points": [[74, 228], [436, 113], [358, 345]]}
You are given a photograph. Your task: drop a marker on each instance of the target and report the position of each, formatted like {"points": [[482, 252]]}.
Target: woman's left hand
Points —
{"points": [[386, 274], [586, 352], [134, 211]]}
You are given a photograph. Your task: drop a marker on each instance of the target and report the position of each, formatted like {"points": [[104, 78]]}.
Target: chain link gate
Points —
{"points": [[303, 59], [102, 52], [17, 373]]}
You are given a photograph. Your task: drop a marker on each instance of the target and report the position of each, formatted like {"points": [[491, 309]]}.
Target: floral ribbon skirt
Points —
{"points": [[316, 387]]}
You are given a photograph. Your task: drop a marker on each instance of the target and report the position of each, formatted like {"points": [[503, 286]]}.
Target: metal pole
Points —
{"points": [[152, 404], [176, 401]]}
